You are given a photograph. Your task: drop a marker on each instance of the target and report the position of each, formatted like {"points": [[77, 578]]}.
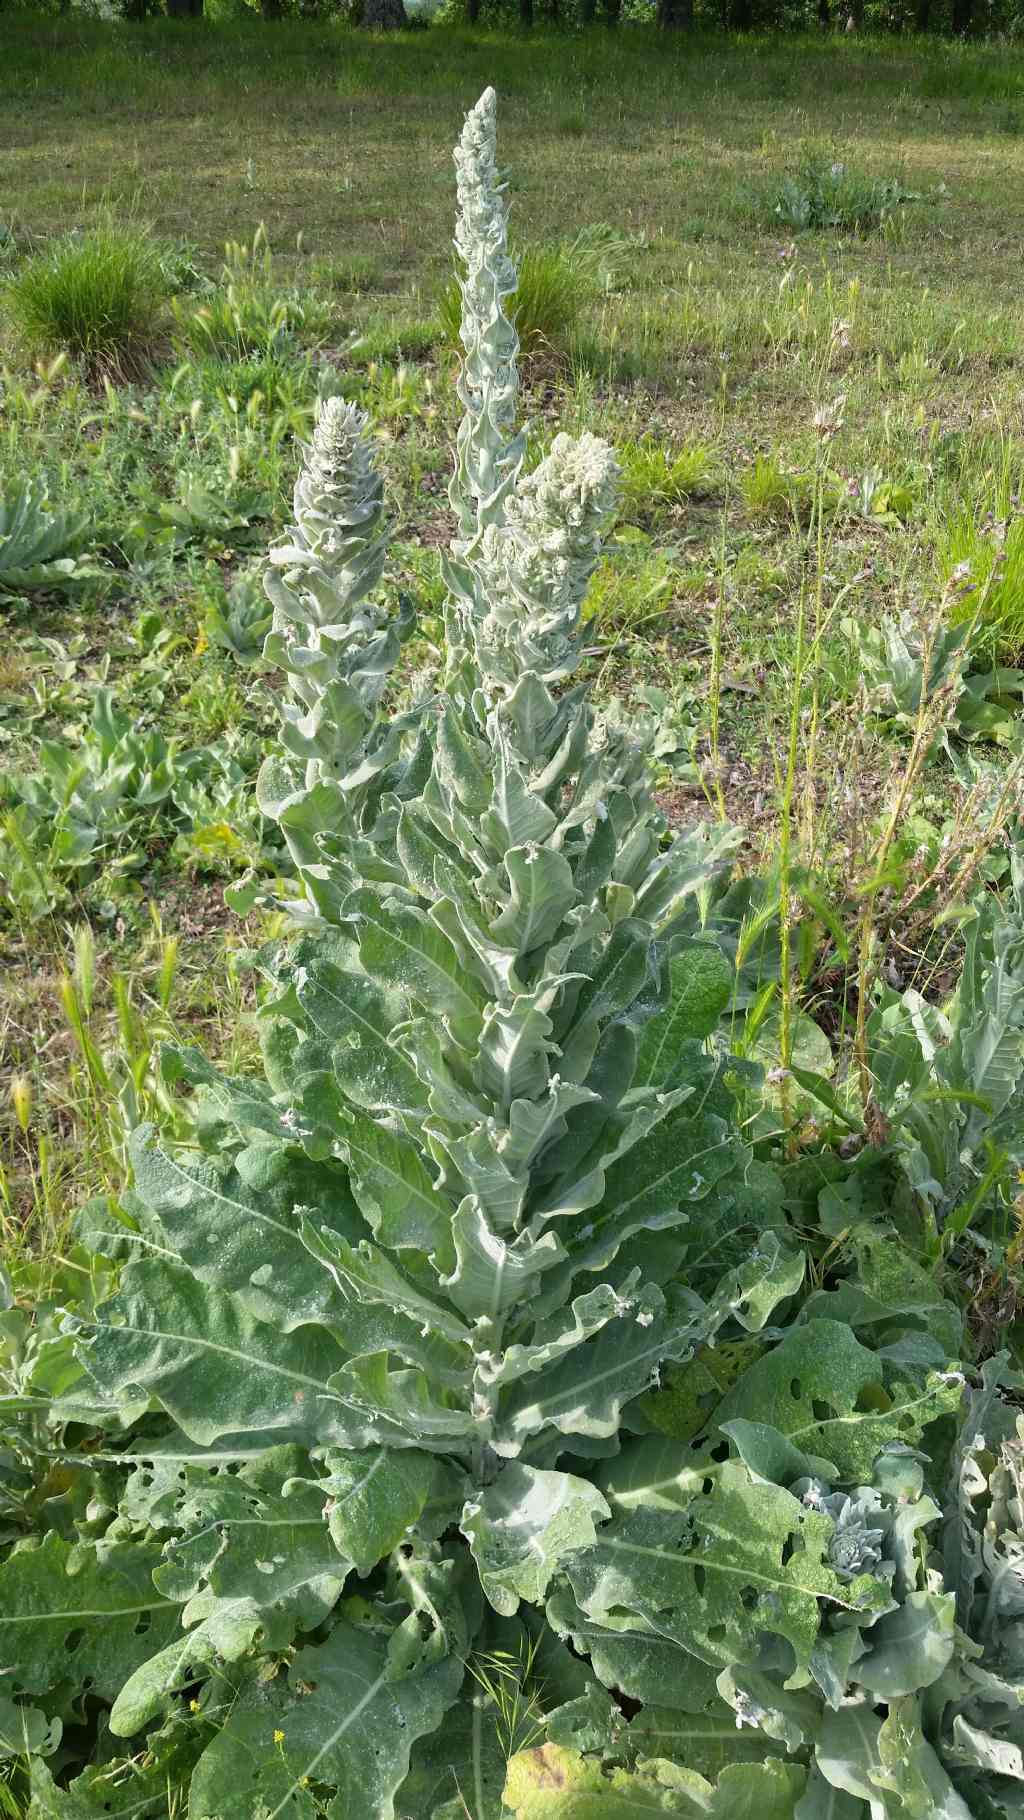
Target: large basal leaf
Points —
{"points": [[734, 1560], [826, 1392], [700, 981], [239, 1228], [554, 1783], [205, 1359], [520, 1527], [338, 1720], [638, 1662], [255, 1561], [86, 1614]]}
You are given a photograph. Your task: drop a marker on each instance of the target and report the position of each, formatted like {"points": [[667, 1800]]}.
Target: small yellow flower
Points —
{"points": [[193, 1706], [279, 1737]]}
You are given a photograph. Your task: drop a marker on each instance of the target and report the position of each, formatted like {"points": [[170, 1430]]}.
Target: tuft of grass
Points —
{"points": [[986, 554], [99, 296], [353, 274], [769, 491], [248, 314], [546, 304], [654, 479]]}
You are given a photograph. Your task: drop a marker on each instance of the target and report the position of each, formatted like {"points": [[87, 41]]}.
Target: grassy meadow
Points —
{"points": [[783, 277]]}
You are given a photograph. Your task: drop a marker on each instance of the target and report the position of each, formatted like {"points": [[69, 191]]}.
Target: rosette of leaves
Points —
{"points": [[40, 550], [360, 1415], [101, 801], [238, 619], [904, 674]]}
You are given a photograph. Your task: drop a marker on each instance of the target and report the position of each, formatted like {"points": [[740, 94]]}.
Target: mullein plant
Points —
{"points": [[376, 1400]]}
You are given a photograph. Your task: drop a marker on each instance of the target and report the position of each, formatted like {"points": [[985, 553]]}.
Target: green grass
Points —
{"points": [[300, 189], [99, 296], [546, 305]]}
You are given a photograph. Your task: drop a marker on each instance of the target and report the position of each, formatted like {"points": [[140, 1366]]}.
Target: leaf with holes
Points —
{"points": [[337, 1717], [80, 1616], [734, 1560]]}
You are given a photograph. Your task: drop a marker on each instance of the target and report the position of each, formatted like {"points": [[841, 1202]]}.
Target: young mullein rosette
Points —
{"points": [[337, 649]]}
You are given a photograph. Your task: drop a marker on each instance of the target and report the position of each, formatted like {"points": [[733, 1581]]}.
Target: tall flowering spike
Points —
{"points": [[489, 450], [330, 560], [535, 568], [337, 649]]}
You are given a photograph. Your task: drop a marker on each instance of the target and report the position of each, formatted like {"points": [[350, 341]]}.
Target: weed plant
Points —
{"points": [[826, 191], [554, 1377]]}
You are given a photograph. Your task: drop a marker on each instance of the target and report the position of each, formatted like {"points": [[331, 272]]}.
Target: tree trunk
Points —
{"points": [[963, 18], [472, 12], [675, 15], [612, 11], [270, 9], [383, 15], [923, 16], [526, 12], [741, 15], [825, 15]]}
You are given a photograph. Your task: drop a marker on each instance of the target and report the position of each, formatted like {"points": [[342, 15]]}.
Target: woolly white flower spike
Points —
{"points": [[535, 569], [337, 649], [489, 450]]}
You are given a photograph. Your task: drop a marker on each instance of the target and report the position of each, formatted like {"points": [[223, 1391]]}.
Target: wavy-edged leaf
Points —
{"points": [[399, 945], [521, 1526], [87, 1610], [365, 1272], [405, 1401], [395, 1189], [345, 1722], [239, 1228], [584, 1391], [203, 1357]]}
